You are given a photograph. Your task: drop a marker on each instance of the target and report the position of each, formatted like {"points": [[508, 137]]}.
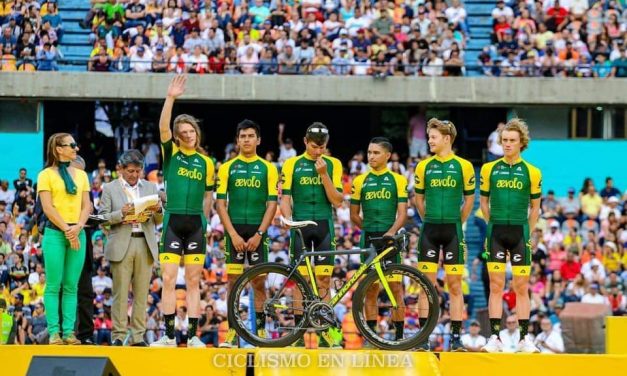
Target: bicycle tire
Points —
{"points": [[359, 298], [241, 284]]}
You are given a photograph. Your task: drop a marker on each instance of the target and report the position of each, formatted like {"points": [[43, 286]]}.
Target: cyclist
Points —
{"points": [[510, 187], [442, 183], [311, 187], [189, 179], [250, 184], [382, 197]]}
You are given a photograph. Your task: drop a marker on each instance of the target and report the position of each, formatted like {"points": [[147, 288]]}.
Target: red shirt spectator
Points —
{"points": [[570, 268], [558, 13]]}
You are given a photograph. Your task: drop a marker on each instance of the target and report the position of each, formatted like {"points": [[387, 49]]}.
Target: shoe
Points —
{"points": [[300, 343], [526, 346], [71, 340], [195, 342], [230, 342], [87, 342], [330, 338], [117, 342], [140, 344], [164, 341], [424, 347], [55, 339], [494, 345], [456, 346]]}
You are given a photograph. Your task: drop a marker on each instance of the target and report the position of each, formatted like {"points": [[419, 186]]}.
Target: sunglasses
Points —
{"points": [[318, 130], [73, 145], [510, 322]]}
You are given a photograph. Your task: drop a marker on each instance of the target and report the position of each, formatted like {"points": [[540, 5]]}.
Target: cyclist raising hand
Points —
{"points": [[189, 180]]}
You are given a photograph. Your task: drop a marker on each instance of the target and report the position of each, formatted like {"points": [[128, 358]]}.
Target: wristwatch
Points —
{"points": [[260, 233]]}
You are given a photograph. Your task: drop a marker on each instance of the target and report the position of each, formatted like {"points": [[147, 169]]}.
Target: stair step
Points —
{"points": [[73, 26], [73, 4], [76, 39], [478, 8], [478, 43], [72, 68], [70, 50], [480, 21], [73, 15]]}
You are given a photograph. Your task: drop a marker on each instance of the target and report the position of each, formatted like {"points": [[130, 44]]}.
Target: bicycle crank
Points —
{"points": [[321, 315]]}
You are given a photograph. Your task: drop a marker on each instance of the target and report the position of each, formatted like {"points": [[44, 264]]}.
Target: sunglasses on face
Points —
{"points": [[73, 145]]}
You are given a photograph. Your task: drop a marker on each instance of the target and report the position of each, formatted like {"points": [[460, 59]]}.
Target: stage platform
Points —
{"points": [[15, 360]]}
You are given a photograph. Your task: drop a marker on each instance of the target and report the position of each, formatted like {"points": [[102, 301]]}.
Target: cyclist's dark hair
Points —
{"points": [[318, 133], [384, 142], [248, 124]]}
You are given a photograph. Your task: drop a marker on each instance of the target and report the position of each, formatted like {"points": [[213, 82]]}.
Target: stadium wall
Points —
{"points": [[315, 89], [21, 138], [567, 162]]}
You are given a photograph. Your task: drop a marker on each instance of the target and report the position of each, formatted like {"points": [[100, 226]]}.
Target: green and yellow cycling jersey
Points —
{"points": [[444, 182], [248, 183], [187, 175], [379, 193], [301, 181], [510, 189]]}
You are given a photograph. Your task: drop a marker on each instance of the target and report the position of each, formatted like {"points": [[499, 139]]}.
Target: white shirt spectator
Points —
{"points": [[143, 63], [174, 62], [473, 341], [249, 63], [355, 24], [183, 325], [434, 68], [506, 11], [455, 14], [592, 274], [272, 256], [281, 43], [286, 153], [241, 50], [100, 283], [152, 154], [180, 276], [360, 68], [495, 147], [343, 214], [7, 196], [553, 339], [594, 299], [33, 278], [579, 7], [509, 340], [606, 210]]}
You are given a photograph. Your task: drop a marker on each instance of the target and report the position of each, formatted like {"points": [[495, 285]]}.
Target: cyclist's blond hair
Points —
{"points": [[187, 119], [517, 125], [445, 127]]}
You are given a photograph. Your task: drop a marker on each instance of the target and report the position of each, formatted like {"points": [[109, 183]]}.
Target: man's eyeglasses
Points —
{"points": [[318, 130], [510, 322], [73, 145]]}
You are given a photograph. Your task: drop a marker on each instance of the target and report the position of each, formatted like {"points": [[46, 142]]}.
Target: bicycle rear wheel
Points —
{"points": [[395, 328], [286, 319]]}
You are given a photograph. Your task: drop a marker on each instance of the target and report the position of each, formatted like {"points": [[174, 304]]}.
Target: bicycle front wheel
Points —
{"points": [[270, 289], [392, 326]]}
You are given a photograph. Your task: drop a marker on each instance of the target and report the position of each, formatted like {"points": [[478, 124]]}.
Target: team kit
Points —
{"points": [[247, 197]]}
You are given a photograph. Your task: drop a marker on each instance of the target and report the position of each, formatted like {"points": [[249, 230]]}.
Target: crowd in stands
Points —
{"points": [[579, 255], [31, 32], [332, 37], [555, 38]]}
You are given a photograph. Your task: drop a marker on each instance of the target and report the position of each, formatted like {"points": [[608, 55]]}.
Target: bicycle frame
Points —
{"points": [[372, 260]]}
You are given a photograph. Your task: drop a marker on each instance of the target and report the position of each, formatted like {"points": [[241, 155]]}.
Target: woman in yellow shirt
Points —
{"points": [[64, 193]]}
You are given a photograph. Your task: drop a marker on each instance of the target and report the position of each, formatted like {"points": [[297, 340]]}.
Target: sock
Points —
{"points": [[193, 327], [524, 328], [422, 321], [495, 326], [169, 325], [260, 320], [399, 326], [372, 324], [456, 327]]}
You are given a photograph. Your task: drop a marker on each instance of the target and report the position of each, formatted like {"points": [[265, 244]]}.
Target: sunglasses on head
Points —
{"points": [[318, 130]]}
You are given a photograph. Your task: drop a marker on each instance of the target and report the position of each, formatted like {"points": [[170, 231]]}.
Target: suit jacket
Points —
{"points": [[111, 202]]}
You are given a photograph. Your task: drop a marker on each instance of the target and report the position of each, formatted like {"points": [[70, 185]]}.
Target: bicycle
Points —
{"points": [[290, 317]]}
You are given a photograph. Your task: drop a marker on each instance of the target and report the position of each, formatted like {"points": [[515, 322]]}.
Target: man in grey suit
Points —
{"points": [[131, 247]]}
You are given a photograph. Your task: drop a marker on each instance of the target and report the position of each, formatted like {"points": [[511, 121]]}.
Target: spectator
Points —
{"points": [[141, 61], [549, 341], [593, 296], [103, 326], [591, 203], [473, 341], [47, 58], [135, 14], [208, 326], [510, 336], [101, 281], [608, 191], [288, 63]]}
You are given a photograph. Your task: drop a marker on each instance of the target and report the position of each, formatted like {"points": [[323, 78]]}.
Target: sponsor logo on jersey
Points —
{"points": [[510, 184], [519, 168], [516, 258], [451, 166], [321, 258], [196, 160], [379, 195], [256, 167], [239, 255], [431, 253], [500, 255], [251, 182], [310, 180], [447, 182], [448, 256], [471, 181], [175, 245], [254, 256], [191, 246], [194, 174], [386, 178]]}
